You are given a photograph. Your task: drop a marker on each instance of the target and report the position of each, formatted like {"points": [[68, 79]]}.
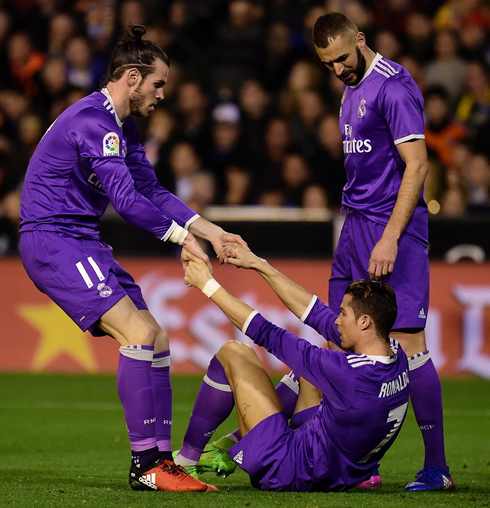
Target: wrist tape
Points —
{"points": [[211, 286], [179, 234]]}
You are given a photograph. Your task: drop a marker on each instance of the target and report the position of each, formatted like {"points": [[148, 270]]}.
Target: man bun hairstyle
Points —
{"points": [[330, 26], [132, 51], [377, 300]]}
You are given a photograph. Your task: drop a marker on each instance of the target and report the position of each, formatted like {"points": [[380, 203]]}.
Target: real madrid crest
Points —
{"points": [[361, 110]]}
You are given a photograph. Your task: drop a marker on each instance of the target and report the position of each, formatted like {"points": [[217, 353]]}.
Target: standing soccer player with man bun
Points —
{"points": [[385, 235], [90, 156]]}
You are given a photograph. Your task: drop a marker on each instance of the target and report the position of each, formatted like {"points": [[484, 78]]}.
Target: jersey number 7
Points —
{"points": [[395, 415]]}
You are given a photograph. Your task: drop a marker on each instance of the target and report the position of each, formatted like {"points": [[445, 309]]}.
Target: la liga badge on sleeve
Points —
{"points": [[110, 145]]}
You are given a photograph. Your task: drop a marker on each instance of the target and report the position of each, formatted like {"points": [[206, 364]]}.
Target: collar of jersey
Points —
{"points": [[377, 58], [105, 92], [382, 359]]}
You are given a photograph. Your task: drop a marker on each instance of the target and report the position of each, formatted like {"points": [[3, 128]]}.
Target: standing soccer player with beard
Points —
{"points": [[385, 235], [90, 156]]}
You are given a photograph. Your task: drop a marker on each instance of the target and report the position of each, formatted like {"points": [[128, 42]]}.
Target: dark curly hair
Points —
{"points": [[377, 300]]}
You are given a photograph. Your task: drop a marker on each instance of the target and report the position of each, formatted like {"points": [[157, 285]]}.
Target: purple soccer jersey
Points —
{"points": [[86, 159], [382, 111], [363, 406]]}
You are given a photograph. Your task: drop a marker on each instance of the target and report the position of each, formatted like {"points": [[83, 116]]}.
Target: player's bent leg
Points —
{"points": [[426, 396], [137, 337], [309, 396], [254, 393], [127, 324]]}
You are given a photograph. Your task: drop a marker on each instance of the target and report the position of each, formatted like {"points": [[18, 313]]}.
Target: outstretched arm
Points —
{"points": [[198, 275], [314, 364], [206, 230], [295, 297]]}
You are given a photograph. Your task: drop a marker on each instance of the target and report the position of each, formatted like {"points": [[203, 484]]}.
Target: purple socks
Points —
{"points": [[136, 394], [213, 405], [426, 395], [162, 399]]}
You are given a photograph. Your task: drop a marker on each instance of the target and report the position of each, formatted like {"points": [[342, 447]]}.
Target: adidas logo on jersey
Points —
{"points": [[422, 314], [148, 480], [238, 458]]}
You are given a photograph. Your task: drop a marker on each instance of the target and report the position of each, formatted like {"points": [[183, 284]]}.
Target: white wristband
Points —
{"points": [[179, 234], [211, 286]]}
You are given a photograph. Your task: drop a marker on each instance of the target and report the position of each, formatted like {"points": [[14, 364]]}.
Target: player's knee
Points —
{"points": [[232, 350], [161, 340], [145, 335]]}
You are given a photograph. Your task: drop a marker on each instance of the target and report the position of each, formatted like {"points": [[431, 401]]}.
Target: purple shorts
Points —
{"points": [[80, 276], [409, 279], [267, 453]]}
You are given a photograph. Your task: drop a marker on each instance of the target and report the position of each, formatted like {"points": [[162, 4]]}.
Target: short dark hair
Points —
{"points": [[377, 300], [330, 26], [134, 52]]}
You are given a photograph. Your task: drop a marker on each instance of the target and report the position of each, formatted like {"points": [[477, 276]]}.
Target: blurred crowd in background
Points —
{"points": [[250, 116]]}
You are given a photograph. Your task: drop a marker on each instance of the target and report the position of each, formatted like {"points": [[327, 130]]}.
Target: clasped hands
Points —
{"points": [[197, 272]]}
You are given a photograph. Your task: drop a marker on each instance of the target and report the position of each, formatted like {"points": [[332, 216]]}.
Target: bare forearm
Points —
{"points": [[295, 297], [204, 229], [235, 310], [408, 196]]}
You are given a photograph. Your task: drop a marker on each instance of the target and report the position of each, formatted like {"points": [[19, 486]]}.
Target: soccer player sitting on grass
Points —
{"points": [[350, 406]]}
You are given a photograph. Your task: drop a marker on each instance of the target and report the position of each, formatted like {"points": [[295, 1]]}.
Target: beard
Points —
{"points": [[358, 72], [136, 103]]}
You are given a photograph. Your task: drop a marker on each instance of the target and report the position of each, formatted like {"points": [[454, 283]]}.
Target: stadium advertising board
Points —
{"points": [[36, 336]]}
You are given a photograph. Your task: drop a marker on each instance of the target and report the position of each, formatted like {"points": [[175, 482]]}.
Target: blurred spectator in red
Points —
{"points": [[473, 35], [24, 63], [441, 131], [454, 14]]}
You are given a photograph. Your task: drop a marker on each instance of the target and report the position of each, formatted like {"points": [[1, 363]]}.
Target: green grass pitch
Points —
{"points": [[63, 443]]}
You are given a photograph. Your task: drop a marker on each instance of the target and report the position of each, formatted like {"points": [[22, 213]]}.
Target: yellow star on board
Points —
{"points": [[58, 335]]}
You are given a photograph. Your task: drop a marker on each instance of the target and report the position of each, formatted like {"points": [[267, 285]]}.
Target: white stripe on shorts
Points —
{"points": [[84, 274], [96, 268]]}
